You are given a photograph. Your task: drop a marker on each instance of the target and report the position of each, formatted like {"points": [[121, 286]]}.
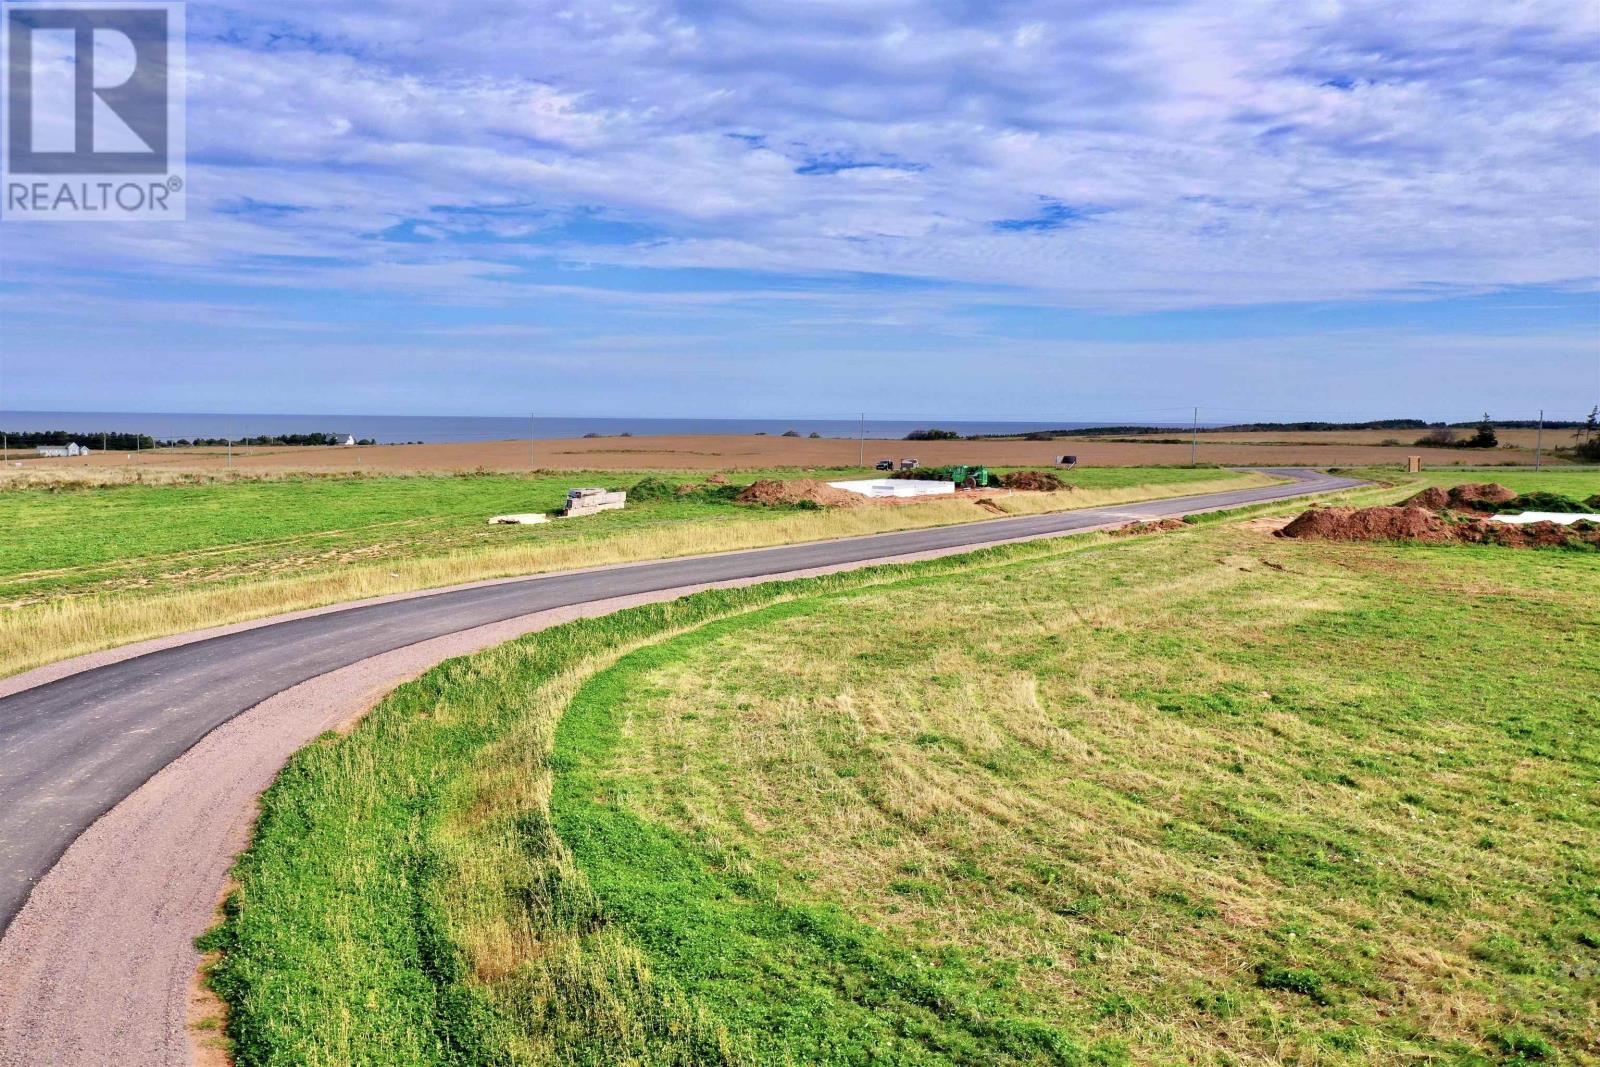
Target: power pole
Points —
{"points": [[1538, 444], [861, 453], [1194, 441]]}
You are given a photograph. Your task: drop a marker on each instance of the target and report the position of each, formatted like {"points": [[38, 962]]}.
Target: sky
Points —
{"points": [[991, 208]]}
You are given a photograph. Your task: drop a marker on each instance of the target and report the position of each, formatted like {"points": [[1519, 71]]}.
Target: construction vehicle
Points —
{"points": [[969, 477], [909, 464]]}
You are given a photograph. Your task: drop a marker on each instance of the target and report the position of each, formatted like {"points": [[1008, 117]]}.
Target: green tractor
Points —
{"points": [[969, 477]]}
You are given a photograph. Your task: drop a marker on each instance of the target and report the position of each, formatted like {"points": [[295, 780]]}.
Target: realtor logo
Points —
{"points": [[93, 117]]}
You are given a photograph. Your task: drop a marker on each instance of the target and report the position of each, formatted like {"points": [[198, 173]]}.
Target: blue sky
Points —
{"points": [[982, 210]]}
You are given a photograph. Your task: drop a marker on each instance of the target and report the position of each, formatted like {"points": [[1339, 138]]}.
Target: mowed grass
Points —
{"points": [[83, 568], [1206, 797], [1577, 484]]}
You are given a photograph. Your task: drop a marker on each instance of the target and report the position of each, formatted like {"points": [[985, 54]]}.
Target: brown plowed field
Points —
{"points": [[752, 453]]}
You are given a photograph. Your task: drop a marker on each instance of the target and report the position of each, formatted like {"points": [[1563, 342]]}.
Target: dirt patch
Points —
{"points": [[1270, 524], [1034, 481], [768, 493], [1158, 526], [1429, 527], [989, 505]]}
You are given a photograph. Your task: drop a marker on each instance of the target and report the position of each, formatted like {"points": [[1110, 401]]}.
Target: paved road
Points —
{"points": [[71, 749]]}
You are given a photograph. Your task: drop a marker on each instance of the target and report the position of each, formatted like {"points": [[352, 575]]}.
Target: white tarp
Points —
{"points": [[896, 487], [1561, 517]]}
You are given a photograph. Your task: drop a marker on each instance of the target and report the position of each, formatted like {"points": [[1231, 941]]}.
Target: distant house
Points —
{"points": [[62, 451], [350, 441]]}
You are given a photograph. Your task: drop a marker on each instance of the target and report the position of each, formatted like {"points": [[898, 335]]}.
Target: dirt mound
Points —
{"points": [[717, 479], [1420, 524], [1532, 534], [1370, 524], [1479, 496], [1483, 497], [1433, 498], [1159, 525], [769, 493], [1034, 481]]}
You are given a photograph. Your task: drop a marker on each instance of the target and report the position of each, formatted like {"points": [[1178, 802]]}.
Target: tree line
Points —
{"points": [[133, 442]]}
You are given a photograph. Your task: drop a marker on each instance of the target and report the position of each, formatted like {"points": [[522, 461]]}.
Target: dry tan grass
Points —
{"points": [[35, 634]]}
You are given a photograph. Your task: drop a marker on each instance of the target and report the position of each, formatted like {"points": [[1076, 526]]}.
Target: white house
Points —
{"points": [[350, 441], [62, 451]]}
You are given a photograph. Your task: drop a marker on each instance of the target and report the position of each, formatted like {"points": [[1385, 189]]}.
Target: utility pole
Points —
{"points": [[1194, 441], [861, 453], [1538, 444]]}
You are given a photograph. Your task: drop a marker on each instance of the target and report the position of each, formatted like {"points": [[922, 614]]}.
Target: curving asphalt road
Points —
{"points": [[71, 749]]}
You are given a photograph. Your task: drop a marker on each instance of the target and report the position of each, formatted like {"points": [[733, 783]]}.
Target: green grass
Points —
{"points": [[1577, 484], [148, 539], [1199, 797]]}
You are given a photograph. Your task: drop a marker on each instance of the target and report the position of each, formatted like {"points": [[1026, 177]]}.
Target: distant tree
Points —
{"points": [[791, 433], [933, 435], [1438, 437], [814, 435], [1591, 426], [1588, 449], [1485, 435]]}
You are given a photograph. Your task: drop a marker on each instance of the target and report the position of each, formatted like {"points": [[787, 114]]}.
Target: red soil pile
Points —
{"points": [[717, 479], [1433, 498], [768, 493], [1420, 524], [1034, 481], [1370, 524], [1481, 497], [1532, 534], [1158, 526]]}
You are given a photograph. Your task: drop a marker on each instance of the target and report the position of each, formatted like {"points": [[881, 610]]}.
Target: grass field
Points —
{"points": [[83, 568], [1200, 797]]}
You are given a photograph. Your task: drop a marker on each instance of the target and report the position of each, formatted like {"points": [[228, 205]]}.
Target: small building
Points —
{"points": [[350, 440], [62, 451]]}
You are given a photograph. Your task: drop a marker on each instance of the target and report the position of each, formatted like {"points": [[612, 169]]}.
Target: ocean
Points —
{"points": [[397, 429]]}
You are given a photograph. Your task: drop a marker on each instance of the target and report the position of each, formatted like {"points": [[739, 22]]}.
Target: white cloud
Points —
{"points": [[1243, 154]]}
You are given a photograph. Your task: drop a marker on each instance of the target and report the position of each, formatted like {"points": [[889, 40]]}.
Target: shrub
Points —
{"points": [[1438, 437], [652, 488], [933, 435]]}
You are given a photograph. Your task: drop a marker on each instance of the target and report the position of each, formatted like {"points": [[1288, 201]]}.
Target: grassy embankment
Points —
{"points": [[1200, 797], [84, 568]]}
